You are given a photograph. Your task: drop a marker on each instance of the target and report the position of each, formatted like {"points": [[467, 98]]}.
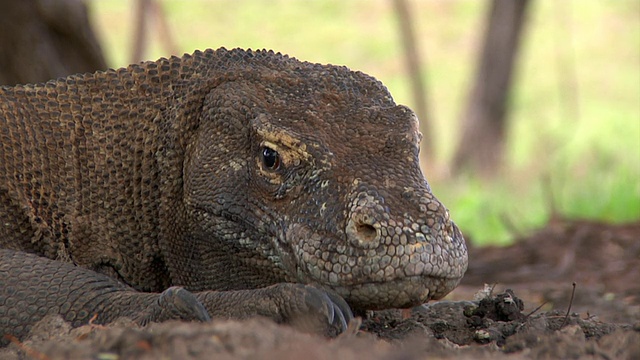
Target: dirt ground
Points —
{"points": [[528, 310]]}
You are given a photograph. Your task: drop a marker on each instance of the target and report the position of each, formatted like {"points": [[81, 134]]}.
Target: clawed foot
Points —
{"points": [[175, 303], [312, 309], [306, 307]]}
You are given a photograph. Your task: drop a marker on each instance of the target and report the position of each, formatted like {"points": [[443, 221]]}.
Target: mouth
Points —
{"points": [[363, 279], [398, 293]]}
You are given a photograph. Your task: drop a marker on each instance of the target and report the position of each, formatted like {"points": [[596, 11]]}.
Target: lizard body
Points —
{"points": [[259, 184]]}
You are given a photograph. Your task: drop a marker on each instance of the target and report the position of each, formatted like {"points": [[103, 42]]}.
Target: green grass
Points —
{"points": [[585, 157]]}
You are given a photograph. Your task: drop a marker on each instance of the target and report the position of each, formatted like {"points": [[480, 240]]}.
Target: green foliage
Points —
{"points": [[574, 131]]}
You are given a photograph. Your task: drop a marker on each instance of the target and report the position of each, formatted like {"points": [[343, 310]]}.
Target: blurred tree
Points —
{"points": [[484, 121], [412, 58], [46, 39], [150, 10]]}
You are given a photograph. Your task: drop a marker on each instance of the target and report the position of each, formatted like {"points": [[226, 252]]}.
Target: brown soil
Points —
{"points": [[526, 313]]}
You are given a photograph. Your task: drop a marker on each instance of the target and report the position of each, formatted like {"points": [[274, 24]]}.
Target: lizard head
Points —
{"points": [[318, 179]]}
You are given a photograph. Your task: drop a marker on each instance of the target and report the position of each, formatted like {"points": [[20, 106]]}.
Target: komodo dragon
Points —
{"points": [[225, 184]]}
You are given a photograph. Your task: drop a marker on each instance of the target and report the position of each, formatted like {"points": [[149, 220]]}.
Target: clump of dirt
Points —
{"points": [[602, 260], [499, 322], [533, 312]]}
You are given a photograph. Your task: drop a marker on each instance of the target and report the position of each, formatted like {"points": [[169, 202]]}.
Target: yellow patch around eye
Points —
{"points": [[288, 156], [291, 150], [283, 138]]}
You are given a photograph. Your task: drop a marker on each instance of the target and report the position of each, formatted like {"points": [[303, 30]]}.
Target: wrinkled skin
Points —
{"points": [[260, 184]]}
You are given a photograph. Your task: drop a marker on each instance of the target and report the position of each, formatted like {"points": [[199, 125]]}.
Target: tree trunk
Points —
{"points": [[413, 63], [147, 13], [46, 39], [481, 146]]}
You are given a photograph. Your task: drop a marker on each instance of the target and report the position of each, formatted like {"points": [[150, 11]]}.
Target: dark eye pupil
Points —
{"points": [[270, 158]]}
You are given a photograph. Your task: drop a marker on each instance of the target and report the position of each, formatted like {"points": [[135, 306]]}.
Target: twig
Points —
{"points": [[536, 309], [92, 327], [30, 352], [493, 287], [92, 323], [566, 317]]}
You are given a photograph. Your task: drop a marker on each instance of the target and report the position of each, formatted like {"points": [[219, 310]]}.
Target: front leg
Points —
{"points": [[32, 287], [306, 307]]}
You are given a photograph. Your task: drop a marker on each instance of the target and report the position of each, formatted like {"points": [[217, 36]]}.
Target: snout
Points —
{"points": [[389, 260], [412, 264]]}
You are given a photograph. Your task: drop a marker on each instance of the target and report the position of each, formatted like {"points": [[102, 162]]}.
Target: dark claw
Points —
{"points": [[341, 308], [334, 309], [331, 311], [183, 304]]}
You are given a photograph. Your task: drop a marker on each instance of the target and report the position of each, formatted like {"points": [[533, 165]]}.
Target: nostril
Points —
{"points": [[366, 232]]}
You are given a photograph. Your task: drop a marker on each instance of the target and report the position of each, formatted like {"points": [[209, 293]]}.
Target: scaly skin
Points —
{"points": [[259, 184]]}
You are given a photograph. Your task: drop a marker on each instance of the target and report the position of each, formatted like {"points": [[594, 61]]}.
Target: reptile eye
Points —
{"points": [[270, 158]]}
